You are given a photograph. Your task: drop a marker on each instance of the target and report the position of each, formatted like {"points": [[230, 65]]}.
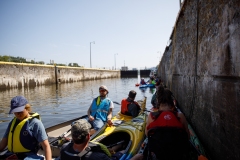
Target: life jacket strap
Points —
{"points": [[85, 151]]}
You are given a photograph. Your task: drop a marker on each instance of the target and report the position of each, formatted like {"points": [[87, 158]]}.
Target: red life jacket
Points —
{"points": [[164, 119], [124, 106]]}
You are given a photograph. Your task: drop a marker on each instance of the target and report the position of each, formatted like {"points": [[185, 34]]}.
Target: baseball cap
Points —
{"points": [[80, 129], [18, 104]]}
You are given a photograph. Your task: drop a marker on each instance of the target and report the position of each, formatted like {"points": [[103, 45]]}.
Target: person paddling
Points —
{"points": [[81, 148], [129, 106], [24, 133], [100, 110]]}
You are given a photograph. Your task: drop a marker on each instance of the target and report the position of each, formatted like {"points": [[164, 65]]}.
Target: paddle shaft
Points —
{"points": [[111, 145]]}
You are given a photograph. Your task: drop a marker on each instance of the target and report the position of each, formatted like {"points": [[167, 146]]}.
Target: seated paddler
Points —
{"points": [[129, 106], [100, 110], [24, 133], [81, 148]]}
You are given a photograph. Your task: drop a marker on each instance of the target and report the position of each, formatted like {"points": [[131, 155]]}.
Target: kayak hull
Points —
{"points": [[147, 85], [127, 128]]}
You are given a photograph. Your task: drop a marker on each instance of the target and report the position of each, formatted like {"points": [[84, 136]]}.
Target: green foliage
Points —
{"points": [[23, 60], [75, 65], [60, 64], [12, 59]]}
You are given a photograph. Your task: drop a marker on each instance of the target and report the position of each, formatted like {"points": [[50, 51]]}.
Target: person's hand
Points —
{"points": [[91, 118], [109, 121]]}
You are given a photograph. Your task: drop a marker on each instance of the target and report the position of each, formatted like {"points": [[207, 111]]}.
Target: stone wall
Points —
{"points": [[202, 68], [17, 75], [73, 74]]}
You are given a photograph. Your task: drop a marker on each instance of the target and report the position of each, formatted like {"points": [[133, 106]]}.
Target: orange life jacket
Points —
{"points": [[165, 119], [124, 106]]}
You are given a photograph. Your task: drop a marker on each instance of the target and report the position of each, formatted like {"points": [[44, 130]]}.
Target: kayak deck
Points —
{"points": [[127, 129], [57, 132]]}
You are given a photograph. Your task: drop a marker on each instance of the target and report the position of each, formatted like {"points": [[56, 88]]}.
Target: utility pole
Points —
{"points": [[90, 54]]}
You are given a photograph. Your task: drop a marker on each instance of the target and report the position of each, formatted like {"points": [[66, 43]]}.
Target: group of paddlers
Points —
{"points": [[26, 131], [166, 130]]}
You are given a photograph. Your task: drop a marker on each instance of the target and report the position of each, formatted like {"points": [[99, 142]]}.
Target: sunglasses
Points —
{"points": [[102, 90]]}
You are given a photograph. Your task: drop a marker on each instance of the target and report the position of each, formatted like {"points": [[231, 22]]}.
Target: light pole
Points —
{"points": [[115, 59], [90, 54]]}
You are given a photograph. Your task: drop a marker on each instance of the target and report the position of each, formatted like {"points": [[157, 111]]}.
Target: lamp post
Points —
{"points": [[115, 59], [90, 54]]}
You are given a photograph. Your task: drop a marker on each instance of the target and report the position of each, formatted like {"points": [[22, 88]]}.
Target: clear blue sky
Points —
{"points": [[61, 30]]}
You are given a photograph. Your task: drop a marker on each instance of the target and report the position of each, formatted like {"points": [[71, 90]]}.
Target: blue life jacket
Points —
{"points": [[99, 109]]}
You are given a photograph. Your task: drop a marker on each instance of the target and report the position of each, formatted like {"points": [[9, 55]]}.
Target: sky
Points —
{"points": [[131, 33]]}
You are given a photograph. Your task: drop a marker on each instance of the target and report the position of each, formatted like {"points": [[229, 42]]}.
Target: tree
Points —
{"points": [[75, 65]]}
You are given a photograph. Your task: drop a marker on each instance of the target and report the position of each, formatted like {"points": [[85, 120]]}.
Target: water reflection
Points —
{"points": [[69, 100]]}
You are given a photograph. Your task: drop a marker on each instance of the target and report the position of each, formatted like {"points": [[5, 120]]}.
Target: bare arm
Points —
{"points": [[88, 112], [109, 117], [149, 120], [3, 144], [109, 113], [91, 118], [47, 149]]}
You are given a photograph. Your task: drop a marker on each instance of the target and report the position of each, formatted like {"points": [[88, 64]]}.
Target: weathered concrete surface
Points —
{"points": [[17, 75], [202, 68], [73, 74]]}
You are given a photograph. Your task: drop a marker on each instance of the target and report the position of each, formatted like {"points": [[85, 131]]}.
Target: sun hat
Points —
{"points": [[80, 129], [103, 87], [18, 104]]}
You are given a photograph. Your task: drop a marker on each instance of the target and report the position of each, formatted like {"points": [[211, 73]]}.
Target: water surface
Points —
{"points": [[69, 100]]}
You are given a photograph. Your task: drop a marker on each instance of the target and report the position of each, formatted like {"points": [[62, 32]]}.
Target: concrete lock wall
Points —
{"points": [[73, 74], [202, 68], [17, 75]]}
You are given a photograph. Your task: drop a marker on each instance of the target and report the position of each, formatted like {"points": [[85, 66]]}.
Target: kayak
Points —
{"points": [[61, 133], [137, 84], [197, 147], [151, 85], [126, 129], [147, 85], [197, 151], [143, 86]]}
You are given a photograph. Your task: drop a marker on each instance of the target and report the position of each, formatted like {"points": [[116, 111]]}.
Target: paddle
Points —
{"points": [[116, 103], [112, 145]]}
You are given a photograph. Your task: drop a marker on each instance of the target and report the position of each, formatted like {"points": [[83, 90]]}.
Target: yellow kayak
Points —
{"points": [[126, 129]]}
